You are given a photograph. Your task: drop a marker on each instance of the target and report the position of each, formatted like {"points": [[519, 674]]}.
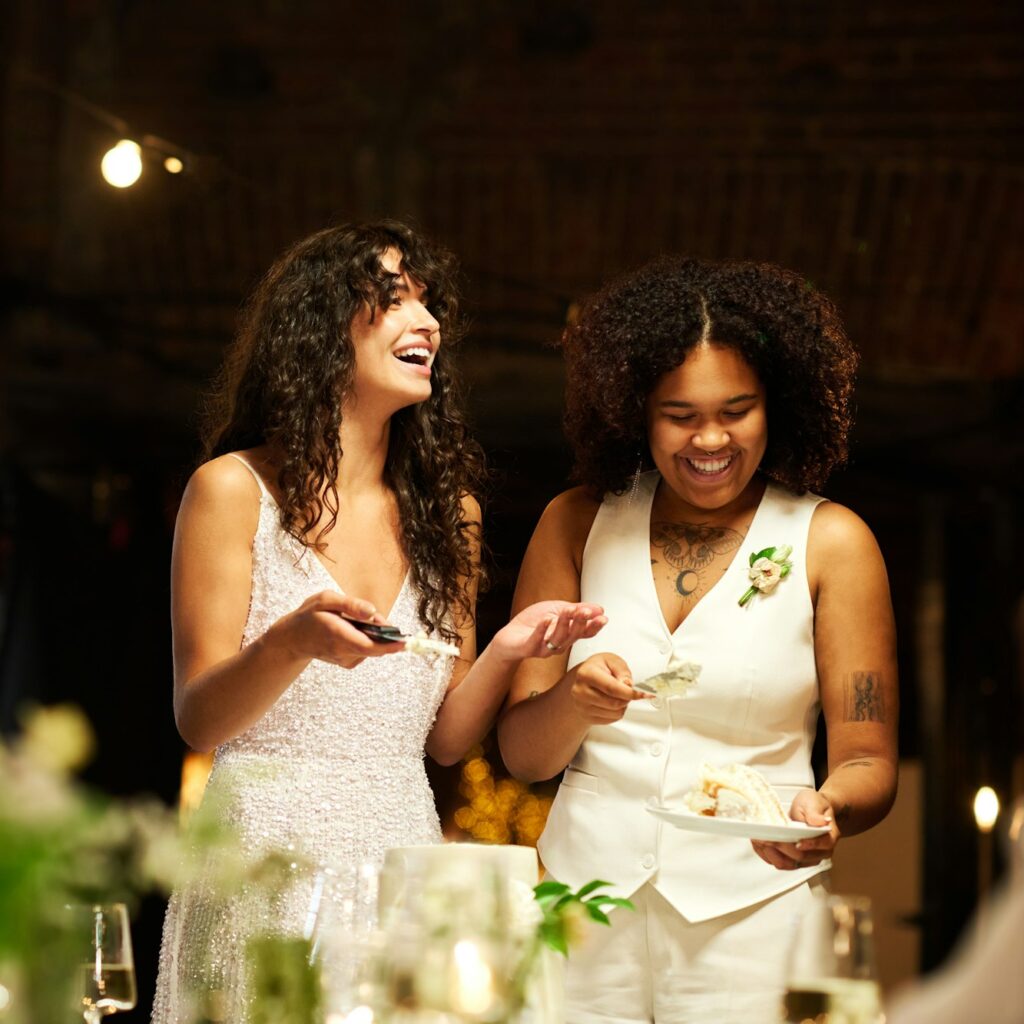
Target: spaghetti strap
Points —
{"points": [[259, 480]]}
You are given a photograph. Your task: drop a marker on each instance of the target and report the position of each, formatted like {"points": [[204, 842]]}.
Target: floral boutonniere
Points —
{"points": [[767, 567]]}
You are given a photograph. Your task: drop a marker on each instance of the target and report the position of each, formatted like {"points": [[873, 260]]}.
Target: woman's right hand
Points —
{"points": [[602, 689], [318, 629]]}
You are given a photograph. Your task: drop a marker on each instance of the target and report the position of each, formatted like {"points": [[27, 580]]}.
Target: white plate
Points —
{"points": [[690, 822]]}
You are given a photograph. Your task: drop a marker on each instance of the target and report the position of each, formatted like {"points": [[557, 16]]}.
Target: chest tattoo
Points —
{"points": [[689, 548]]}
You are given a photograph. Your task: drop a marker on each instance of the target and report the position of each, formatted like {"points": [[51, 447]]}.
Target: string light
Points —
{"points": [[172, 165], [986, 808], [501, 811], [121, 165]]}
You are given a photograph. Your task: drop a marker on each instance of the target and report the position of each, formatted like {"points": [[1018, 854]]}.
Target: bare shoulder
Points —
{"points": [[565, 524], [843, 556], [223, 478], [838, 531], [573, 510], [222, 490]]}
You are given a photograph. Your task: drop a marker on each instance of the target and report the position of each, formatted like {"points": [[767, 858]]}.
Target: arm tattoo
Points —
{"points": [[689, 548], [863, 699]]}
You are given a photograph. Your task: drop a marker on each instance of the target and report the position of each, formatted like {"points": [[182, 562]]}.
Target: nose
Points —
{"points": [[710, 438], [425, 323]]}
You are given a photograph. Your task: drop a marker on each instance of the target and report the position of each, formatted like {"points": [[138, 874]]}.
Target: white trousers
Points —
{"points": [[652, 965]]}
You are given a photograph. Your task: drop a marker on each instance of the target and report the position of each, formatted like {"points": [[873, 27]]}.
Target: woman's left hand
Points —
{"points": [[548, 628], [812, 808]]}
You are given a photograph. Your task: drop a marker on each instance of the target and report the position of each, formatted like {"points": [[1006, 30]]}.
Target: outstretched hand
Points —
{"points": [[548, 628]]}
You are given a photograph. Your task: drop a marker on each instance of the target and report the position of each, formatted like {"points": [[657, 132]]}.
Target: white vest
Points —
{"points": [[756, 702]]}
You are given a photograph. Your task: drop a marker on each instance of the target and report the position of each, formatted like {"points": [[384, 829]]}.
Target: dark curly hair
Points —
{"points": [[645, 323], [290, 368]]}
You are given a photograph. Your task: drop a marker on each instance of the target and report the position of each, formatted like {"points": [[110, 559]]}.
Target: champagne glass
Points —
{"points": [[106, 981], [831, 976], [342, 927]]}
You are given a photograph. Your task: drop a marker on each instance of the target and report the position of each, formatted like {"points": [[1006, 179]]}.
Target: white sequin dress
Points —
{"points": [[333, 771]]}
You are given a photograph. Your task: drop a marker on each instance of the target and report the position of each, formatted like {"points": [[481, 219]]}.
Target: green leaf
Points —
{"points": [[550, 889], [786, 569], [552, 934], [587, 889], [611, 901], [596, 914]]}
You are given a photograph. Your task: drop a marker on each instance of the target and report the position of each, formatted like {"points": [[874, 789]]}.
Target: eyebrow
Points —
{"points": [[401, 286], [689, 405]]}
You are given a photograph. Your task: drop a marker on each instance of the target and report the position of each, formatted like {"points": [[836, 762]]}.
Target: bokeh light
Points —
{"points": [[121, 165]]}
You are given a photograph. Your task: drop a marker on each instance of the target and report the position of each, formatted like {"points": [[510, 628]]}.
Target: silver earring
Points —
{"points": [[635, 486]]}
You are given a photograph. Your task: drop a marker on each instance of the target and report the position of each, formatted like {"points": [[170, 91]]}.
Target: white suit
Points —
{"points": [[756, 702]]}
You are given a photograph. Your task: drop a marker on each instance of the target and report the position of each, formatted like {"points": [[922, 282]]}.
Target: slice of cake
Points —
{"points": [[735, 791]]}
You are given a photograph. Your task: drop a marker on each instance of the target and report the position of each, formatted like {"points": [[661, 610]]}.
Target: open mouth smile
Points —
{"points": [[416, 357], [710, 468]]}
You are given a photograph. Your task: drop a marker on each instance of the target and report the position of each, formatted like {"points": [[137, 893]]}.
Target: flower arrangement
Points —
{"points": [[62, 843], [768, 568]]}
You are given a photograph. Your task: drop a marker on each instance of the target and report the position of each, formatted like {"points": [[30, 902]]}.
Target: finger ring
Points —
{"points": [[550, 646]]}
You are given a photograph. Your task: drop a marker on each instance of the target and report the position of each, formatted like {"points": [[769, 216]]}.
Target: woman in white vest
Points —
{"points": [[705, 402]]}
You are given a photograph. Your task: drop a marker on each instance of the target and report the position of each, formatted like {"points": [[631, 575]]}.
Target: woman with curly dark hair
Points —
{"points": [[705, 400], [338, 499]]}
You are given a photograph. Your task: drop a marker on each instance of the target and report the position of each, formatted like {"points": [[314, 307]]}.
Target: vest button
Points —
{"points": [[647, 861], [656, 749], [653, 801]]}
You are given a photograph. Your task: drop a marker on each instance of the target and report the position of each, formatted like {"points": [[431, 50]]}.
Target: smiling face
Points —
{"points": [[707, 427], [395, 347]]}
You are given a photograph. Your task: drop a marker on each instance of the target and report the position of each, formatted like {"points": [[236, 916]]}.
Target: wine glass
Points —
{"points": [[831, 976], [106, 981]]}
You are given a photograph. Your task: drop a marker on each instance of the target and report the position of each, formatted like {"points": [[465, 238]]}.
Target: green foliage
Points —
{"points": [[564, 911]]}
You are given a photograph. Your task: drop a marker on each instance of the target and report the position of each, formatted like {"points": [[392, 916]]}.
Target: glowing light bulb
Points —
{"points": [[986, 808], [172, 165], [121, 165]]}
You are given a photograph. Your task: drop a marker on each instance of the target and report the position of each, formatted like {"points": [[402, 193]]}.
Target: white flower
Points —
{"points": [[524, 913], [58, 739], [767, 567], [765, 575]]}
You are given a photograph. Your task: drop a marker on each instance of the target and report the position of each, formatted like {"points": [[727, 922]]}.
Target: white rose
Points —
{"points": [[765, 575]]}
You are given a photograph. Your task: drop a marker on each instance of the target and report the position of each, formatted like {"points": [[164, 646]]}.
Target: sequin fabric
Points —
{"points": [[333, 773]]}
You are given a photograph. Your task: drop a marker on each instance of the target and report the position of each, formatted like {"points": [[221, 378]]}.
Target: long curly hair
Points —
{"points": [[645, 323], [289, 370]]}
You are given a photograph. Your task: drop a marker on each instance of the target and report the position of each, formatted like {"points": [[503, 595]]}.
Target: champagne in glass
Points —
{"points": [[831, 977], [106, 981]]}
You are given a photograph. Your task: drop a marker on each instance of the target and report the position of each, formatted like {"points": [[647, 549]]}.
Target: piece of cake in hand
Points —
{"points": [[735, 791]]}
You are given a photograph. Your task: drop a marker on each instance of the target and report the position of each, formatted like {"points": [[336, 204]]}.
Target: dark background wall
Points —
{"points": [[877, 148]]}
